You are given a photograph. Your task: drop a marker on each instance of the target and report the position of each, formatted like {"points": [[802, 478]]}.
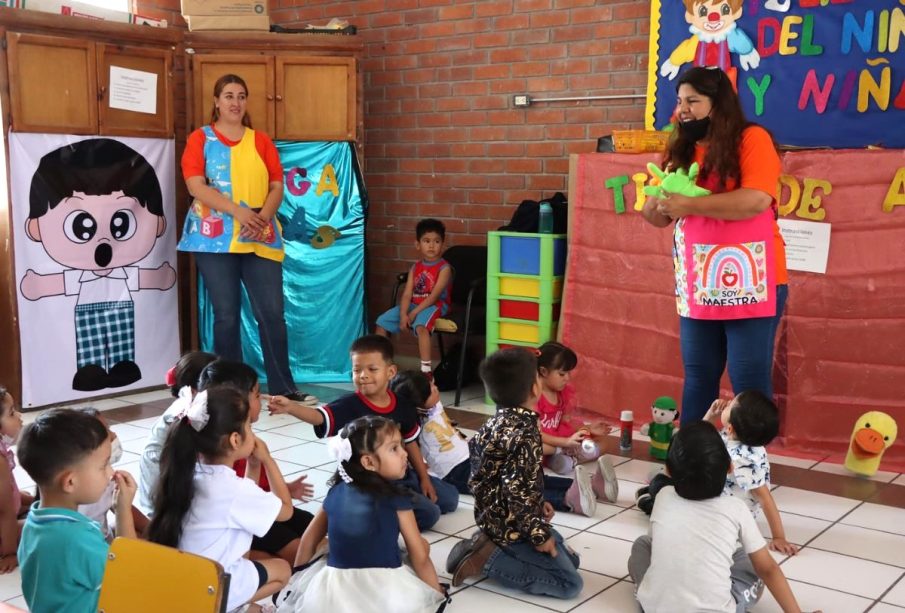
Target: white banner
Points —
{"points": [[95, 255]]}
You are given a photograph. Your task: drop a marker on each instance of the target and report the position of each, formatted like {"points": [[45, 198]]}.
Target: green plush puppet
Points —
{"points": [[661, 430], [678, 182]]}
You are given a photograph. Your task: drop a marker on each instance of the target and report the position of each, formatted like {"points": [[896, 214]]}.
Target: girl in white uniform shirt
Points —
{"points": [[203, 507]]}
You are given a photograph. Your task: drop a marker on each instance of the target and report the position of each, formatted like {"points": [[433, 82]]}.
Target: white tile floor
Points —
{"points": [[852, 557]]}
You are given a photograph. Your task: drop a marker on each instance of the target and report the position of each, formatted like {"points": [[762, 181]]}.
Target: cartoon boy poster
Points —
{"points": [[94, 250]]}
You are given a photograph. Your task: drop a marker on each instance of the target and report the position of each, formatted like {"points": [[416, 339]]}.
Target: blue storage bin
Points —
{"points": [[520, 255], [559, 256]]}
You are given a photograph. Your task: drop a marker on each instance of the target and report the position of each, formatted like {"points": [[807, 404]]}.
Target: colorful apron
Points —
{"points": [[725, 269], [239, 173]]}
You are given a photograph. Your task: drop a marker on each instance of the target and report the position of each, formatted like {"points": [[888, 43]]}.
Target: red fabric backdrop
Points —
{"points": [[841, 345]]}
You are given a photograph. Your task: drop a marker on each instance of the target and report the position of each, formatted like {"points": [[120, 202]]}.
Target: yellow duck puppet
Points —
{"points": [[873, 434]]}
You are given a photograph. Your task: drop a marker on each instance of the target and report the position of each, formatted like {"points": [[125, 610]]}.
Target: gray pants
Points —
{"points": [[746, 585]]}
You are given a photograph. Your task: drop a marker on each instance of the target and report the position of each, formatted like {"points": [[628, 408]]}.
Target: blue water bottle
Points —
{"points": [[545, 219]]}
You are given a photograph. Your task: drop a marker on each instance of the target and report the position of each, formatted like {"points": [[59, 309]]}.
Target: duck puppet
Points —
{"points": [[874, 432]]}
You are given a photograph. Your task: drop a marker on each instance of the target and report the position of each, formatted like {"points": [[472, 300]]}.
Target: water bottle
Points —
{"points": [[545, 219]]}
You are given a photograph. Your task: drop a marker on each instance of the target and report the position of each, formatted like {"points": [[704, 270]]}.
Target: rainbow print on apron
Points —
{"points": [[728, 269]]}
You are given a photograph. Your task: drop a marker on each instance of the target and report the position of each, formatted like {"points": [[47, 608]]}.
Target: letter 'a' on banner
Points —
{"points": [[323, 222], [94, 229], [816, 73]]}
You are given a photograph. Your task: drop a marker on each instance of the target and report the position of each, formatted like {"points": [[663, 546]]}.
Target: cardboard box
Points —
{"points": [[224, 8], [214, 22], [77, 9]]}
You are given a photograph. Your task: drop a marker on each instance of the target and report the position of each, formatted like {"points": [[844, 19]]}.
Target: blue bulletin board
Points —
{"points": [[817, 73]]}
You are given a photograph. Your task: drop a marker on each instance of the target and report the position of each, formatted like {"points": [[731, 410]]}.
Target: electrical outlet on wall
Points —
{"points": [[521, 100]]}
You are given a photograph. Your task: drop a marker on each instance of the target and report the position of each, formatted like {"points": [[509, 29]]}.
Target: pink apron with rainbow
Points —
{"points": [[729, 269]]}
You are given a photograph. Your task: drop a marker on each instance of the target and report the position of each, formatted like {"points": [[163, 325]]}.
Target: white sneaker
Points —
{"points": [[606, 486], [580, 497]]}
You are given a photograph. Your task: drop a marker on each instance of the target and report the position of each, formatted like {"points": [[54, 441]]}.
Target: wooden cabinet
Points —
{"points": [[257, 72], [315, 98], [301, 88], [120, 122], [62, 85], [55, 84]]}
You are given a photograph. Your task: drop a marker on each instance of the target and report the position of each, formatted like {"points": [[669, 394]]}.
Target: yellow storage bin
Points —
{"points": [[511, 286], [527, 333], [528, 288]]}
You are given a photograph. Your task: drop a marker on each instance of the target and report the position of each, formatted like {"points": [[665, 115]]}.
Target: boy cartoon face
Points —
{"points": [[713, 17], [97, 232], [430, 246]]}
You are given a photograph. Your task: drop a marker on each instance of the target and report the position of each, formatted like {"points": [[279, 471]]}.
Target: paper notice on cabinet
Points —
{"points": [[133, 90], [807, 244]]}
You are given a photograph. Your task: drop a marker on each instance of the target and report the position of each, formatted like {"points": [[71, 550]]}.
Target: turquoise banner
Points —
{"points": [[323, 219]]}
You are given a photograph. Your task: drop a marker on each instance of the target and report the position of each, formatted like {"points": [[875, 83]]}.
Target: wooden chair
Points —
{"points": [[143, 577], [468, 301]]}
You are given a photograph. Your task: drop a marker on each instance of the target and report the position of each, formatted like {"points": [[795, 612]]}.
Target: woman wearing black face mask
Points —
{"points": [[731, 279]]}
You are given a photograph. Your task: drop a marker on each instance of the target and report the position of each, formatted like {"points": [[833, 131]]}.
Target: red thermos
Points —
{"points": [[625, 431]]}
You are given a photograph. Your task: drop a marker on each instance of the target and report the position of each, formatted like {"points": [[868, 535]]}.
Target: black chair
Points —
{"points": [[469, 300]]}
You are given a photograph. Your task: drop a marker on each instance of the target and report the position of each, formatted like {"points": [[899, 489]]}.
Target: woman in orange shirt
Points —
{"points": [[729, 257], [235, 176]]}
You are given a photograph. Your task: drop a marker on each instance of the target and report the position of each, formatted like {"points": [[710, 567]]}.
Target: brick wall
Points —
{"points": [[441, 136]]}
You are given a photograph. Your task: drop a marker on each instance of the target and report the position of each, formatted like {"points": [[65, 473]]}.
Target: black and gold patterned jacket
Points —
{"points": [[507, 478]]}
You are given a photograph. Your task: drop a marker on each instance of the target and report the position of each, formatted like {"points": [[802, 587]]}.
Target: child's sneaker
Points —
{"points": [[580, 497], [606, 486], [643, 499], [561, 463]]}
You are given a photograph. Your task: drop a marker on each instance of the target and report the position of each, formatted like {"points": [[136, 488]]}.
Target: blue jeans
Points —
{"points": [[224, 274], [522, 567], [555, 489], [458, 476], [427, 513], [747, 345]]}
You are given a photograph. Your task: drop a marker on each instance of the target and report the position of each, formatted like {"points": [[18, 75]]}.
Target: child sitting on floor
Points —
{"points": [[183, 375], [515, 543], [63, 553], [561, 436], [363, 514], [444, 448], [13, 503], [750, 421], [282, 540], [372, 370], [426, 296], [203, 507], [691, 560]]}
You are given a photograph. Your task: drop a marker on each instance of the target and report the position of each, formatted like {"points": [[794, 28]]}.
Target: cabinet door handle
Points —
{"points": [[279, 98], [100, 92], [270, 97]]}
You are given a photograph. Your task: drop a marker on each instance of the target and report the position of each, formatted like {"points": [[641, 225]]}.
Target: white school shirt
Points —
{"points": [[692, 546], [226, 512], [92, 288], [442, 446]]}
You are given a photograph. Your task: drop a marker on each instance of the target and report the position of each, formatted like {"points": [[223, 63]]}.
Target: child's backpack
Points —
{"points": [[446, 371], [527, 215]]}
